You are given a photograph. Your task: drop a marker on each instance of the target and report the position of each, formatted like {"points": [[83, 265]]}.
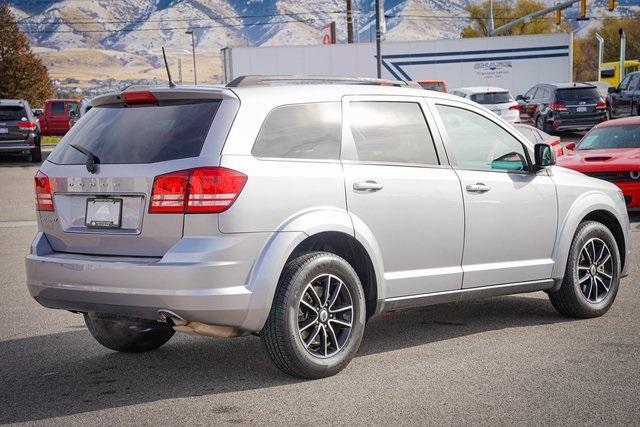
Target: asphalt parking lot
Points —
{"points": [[507, 360]]}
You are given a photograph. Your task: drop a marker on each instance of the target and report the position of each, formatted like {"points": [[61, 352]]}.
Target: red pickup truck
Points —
{"points": [[58, 116]]}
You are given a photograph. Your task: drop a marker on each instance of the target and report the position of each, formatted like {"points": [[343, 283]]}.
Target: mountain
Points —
{"points": [[121, 39]]}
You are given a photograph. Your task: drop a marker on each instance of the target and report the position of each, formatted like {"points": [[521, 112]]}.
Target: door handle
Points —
{"points": [[367, 186], [478, 188]]}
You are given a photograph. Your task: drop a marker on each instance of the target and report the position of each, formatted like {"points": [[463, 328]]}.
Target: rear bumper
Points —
{"points": [[631, 192], [577, 123], [17, 145], [208, 287]]}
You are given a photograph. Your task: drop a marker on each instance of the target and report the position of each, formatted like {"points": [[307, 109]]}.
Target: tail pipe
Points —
{"points": [[196, 328]]}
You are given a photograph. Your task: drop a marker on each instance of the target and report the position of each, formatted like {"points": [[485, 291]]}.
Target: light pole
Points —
{"points": [[193, 49]]}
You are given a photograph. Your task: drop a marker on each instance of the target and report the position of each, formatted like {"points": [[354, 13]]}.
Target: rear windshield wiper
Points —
{"points": [[92, 159]]}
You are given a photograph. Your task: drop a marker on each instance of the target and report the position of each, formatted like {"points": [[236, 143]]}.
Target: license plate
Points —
{"points": [[581, 109], [103, 213], [4, 130]]}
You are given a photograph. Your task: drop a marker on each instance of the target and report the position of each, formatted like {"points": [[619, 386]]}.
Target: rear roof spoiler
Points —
{"points": [[166, 93], [262, 80]]}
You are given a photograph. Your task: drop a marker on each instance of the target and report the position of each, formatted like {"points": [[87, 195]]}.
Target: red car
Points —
{"points": [[58, 116], [535, 135], [610, 151]]}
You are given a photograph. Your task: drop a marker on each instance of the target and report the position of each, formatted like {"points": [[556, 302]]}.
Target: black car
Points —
{"points": [[624, 100], [19, 129], [562, 106]]}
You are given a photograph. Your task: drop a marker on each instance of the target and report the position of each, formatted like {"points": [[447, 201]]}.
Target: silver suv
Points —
{"points": [[298, 212]]}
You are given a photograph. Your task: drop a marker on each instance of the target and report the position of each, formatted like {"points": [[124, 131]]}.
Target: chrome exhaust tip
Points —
{"points": [[170, 317]]}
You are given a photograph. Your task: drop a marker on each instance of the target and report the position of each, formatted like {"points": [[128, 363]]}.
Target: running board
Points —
{"points": [[421, 300]]}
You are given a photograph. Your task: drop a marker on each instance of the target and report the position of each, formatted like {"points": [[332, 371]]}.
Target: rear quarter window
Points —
{"points": [[146, 134], [301, 131]]}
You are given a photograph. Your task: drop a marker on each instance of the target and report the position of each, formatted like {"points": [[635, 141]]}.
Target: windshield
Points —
{"points": [[145, 134], [492, 97], [12, 112], [611, 137], [578, 94]]}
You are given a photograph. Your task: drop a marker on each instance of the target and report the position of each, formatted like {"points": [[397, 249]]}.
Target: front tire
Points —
{"points": [[127, 335], [592, 276], [317, 317]]}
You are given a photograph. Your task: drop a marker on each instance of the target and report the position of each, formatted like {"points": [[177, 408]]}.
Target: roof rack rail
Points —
{"points": [[263, 80]]}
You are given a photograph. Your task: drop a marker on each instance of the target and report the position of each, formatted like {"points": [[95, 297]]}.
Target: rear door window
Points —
{"points": [[587, 94], [145, 134], [391, 132], [12, 112], [57, 107], [301, 131]]}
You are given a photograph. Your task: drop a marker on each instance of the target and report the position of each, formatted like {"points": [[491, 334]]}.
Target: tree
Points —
{"points": [[585, 50], [504, 12], [22, 73]]}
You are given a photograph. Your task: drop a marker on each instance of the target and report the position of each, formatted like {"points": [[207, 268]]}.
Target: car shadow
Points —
{"points": [[68, 373]]}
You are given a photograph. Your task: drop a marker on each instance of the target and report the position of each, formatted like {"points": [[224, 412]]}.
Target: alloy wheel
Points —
{"points": [[595, 270], [325, 315]]}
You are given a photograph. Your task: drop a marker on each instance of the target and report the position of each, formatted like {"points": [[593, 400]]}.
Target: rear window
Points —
{"points": [[437, 86], [301, 131], [145, 134], [492, 97], [57, 107], [12, 112], [578, 94]]}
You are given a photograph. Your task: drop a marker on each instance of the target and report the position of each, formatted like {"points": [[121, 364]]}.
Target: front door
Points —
{"points": [[510, 212], [401, 190]]}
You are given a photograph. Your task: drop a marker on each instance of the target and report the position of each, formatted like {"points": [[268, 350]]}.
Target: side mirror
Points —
{"points": [[544, 155], [571, 146], [612, 89], [519, 98]]}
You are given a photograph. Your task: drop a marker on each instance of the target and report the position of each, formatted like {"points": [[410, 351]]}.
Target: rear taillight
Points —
{"points": [[30, 126], [514, 107], [44, 196], [557, 106], [200, 190], [601, 105], [139, 98]]}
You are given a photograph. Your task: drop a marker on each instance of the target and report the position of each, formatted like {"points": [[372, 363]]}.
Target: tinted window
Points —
{"points": [[391, 132], [12, 112], [611, 137], [531, 93], [144, 134], [492, 97], [478, 143], [578, 94], [57, 107], [608, 73], [302, 131]]}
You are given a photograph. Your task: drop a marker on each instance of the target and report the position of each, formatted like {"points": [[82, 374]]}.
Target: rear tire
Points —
{"points": [[587, 290], [306, 334], [540, 124], [36, 154], [126, 334]]}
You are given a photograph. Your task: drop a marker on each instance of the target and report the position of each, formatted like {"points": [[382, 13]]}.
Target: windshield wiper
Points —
{"points": [[92, 159]]}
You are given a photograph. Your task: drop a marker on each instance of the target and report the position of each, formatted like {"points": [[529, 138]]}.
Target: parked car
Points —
{"points": [[299, 214], [562, 106], [610, 151], [437, 85], [624, 100], [535, 136], [495, 99], [19, 129], [59, 115]]}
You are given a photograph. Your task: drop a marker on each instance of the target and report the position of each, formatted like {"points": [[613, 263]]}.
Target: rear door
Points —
{"points": [[107, 212], [10, 116], [57, 117], [400, 187]]}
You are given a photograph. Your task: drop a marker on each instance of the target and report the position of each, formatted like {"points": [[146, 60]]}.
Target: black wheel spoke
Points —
{"points": [[325, 320]]}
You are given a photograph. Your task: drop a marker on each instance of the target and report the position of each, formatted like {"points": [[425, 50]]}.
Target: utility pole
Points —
{"points": [[600, 55], [491, 23], [623, 52], [378, 38], [349, 21], [193, 49], [180, 70]]}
